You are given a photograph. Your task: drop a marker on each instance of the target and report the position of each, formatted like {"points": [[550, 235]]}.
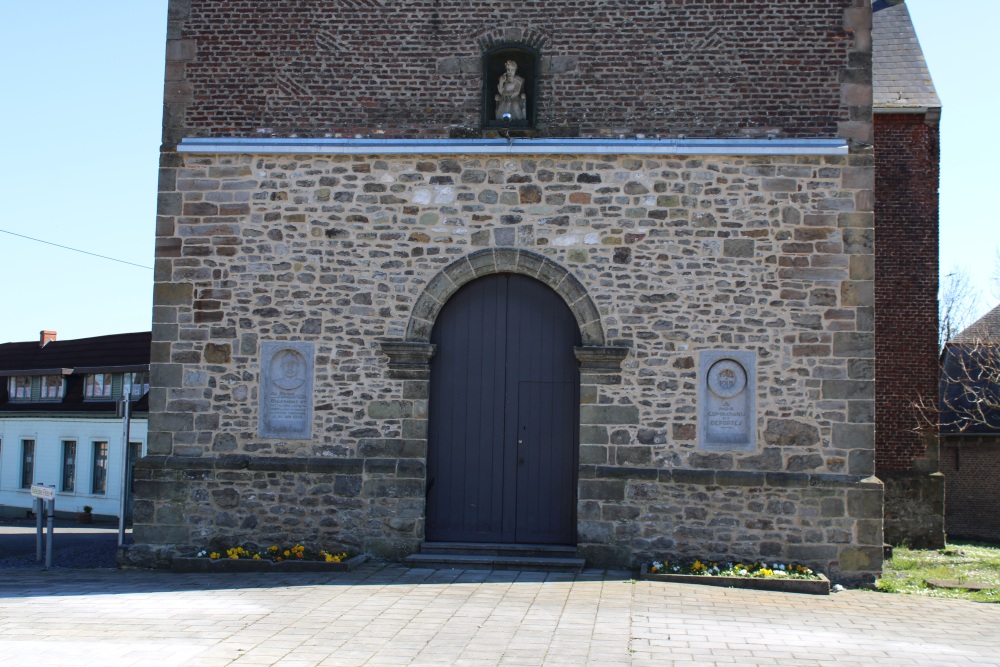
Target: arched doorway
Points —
{"points": [[503, 416]]}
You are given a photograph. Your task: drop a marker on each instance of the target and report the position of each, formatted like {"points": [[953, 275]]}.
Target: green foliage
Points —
{"points": [[909, 570]]}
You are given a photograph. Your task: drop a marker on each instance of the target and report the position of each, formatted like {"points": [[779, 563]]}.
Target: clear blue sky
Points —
{"points": [[82, 90]]}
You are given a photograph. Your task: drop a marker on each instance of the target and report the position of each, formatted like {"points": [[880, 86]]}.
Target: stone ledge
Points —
{"points": [[697, 477], [819, 586], [181, 564], [253, 463]]}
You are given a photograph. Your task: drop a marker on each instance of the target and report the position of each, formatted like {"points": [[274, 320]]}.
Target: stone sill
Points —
{"points": [[301, 146], [251, 565], [819, 586]]}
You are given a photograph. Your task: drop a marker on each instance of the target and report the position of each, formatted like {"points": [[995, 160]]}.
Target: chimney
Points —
{"points": [[46, 337]]}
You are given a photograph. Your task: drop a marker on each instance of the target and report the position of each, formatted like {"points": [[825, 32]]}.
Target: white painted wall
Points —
{"points": [[49, 434]]}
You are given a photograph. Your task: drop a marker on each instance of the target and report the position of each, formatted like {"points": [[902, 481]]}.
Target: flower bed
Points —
{"points": [[272, 559], [782, 578]]}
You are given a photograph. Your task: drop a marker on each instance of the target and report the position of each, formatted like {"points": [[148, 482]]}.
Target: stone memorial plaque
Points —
{"points": [[286, 390], [727, 400]]}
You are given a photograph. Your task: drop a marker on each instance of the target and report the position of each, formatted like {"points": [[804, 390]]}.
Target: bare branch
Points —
{"points": [[969, 400], [957, 305]]}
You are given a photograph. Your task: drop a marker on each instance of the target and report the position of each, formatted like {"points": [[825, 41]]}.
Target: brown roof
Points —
{"points": [[985, 329], [129, 349], [900, 77]]}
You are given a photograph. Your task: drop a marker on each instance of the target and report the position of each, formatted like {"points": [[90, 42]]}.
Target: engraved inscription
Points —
{"points": [[286, 390], [726, 402]]}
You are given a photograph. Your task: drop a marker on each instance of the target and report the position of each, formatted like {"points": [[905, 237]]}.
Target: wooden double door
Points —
{"points": [[503, 416]]}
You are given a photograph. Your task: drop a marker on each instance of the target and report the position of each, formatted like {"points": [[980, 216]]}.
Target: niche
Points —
{"points": [[510, 86]]}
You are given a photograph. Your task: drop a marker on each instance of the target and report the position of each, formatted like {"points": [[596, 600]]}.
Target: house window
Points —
{"points": [[19, 388], [140, 385], [52, 387], [68, 465], [97, 386], [99, 482], [27, 463]]}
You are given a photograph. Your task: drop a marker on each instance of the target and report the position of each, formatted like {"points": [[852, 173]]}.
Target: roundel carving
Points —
{"points": [[726, 378]]}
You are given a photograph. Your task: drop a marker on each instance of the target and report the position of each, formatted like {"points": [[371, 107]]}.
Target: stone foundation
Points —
{"points": [[914, 509]]}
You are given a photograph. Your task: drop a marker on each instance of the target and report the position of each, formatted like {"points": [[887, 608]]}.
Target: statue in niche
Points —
{"points": [[511, 102]]}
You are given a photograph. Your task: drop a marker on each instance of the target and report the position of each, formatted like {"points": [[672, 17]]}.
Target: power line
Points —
{"points": [[64, 247]]}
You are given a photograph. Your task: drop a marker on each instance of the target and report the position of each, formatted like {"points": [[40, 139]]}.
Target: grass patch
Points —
{"points": [[909, 569]]}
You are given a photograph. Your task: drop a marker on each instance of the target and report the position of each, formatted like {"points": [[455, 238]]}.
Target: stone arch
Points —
{"points": [[505, 260], [492, 37]]}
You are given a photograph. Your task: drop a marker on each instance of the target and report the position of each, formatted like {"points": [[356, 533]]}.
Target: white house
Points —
{"points": [[59, 421]]}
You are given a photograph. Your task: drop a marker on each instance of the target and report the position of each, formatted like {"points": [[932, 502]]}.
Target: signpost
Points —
{"points": [[125, 412], [45, 505]]}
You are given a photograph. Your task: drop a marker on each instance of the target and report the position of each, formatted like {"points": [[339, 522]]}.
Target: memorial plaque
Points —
{"points": [[286, 390], [727, 400]]}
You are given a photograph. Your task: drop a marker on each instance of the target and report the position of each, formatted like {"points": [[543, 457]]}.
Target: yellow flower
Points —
{"points": [[214, 555], [287, 553], [256, 556]]}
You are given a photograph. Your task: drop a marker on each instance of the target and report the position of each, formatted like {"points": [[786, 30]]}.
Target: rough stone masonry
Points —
{"points": [[660, 257]]}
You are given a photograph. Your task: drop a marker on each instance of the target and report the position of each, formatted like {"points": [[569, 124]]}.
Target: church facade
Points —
{"points": [[589, 275]]}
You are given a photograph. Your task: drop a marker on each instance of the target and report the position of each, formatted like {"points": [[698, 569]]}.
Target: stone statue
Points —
{"points": [[511, 102]]}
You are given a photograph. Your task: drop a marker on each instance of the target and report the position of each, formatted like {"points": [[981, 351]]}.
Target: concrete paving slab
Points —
{"points": [[395, 616]]}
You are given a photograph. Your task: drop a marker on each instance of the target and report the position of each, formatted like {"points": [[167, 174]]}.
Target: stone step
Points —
{"points": [[498, 549], [489, 562]]}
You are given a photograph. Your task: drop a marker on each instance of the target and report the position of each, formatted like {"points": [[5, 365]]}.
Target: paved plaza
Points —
{"points": [[449, 618]]}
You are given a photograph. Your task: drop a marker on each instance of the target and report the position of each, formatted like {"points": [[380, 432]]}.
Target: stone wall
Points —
{"points": [[659, 257], [410, 68]]}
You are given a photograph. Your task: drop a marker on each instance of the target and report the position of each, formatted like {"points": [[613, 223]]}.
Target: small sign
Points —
{"points": [[44, 492]]}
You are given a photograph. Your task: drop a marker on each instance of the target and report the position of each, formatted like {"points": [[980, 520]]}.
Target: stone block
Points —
{"points": [[595, 532], [593, 454], [858, 241], [161, 534], [173, 294], [594, 435], [864, 504], [692, 477], [633, 455], [392, 488], [609, 414], [390, 409], [738, 248], [851, 390], [854, 344], [591, 489], [854, 436], [861, 462], [218, 353], [857, 293], [790, 433], [860, 559], [780, 185], [739, 478]]}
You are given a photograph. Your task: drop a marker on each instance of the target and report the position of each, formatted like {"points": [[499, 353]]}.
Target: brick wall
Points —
{"points": [[972, 467], [906, 269], [412, 68]]}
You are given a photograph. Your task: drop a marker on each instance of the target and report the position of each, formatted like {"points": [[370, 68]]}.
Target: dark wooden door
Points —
{"points": [[503, 421]]}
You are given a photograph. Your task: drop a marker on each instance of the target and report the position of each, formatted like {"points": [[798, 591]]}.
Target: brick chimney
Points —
{"points": [[46, 337]]}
